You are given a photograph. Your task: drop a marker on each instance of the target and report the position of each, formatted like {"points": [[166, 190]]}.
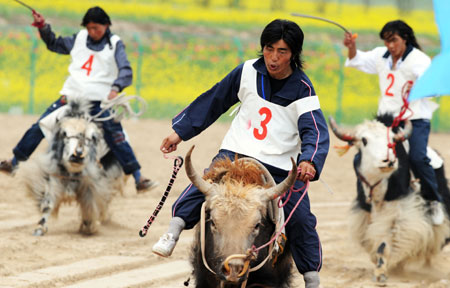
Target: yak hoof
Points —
{"points": [[88, 228], [40, 231], [380, 279]]}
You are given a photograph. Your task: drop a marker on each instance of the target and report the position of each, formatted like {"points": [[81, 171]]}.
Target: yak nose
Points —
{"points": [[233, 271], [79, 152], [390, 163], [77, 156]]}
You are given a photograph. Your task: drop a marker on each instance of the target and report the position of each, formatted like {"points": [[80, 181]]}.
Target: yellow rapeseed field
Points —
{"points": [[254, 12], [172, 69]]}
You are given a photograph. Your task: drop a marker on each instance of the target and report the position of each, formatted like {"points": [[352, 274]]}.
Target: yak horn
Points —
{"points": [[345, 136], [198, 181], [405, 133], [282, 187]]}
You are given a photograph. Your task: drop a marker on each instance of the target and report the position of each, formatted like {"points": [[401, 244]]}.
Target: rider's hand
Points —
{"points": [[350, 43], [39, 20], [169, 144], [349, 40], [113, 94], [307, 171]]}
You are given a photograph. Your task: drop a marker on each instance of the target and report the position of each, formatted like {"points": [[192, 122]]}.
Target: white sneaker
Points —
{"points": [[436, 213], [165, 245]]}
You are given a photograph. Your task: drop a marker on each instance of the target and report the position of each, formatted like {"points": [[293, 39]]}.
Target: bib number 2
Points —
{"points": [[261, 135], [88, 65], [391, 78]]}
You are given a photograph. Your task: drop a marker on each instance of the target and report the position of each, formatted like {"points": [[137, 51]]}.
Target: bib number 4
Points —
{"points": [[88, 65], [268, 116]]}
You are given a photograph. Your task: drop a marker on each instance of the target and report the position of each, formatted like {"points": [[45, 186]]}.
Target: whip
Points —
{"points": [[25, 5], [354, 36], [178, 162]]}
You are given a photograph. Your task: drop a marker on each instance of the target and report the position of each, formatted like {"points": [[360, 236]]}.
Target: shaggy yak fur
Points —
{"points": [[237, 199], [392, 221], [72, 170]]}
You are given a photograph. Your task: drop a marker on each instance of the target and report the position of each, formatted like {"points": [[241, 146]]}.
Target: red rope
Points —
{"points": [[305, 188], [400, 117]]}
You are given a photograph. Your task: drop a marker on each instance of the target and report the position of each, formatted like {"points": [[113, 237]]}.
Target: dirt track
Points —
{"points": [[118, 257]]}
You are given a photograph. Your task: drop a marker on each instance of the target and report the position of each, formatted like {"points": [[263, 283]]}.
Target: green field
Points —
{"points": [[178, 49]]}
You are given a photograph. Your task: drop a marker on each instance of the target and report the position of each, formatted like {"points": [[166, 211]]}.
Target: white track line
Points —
{"points": [[39, 278], [140, 276], [328, 224], [17, 223]]}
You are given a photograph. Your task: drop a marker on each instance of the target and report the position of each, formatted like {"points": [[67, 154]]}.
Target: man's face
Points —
{"points": [[277, 57], [96, 30], [395, 44]]}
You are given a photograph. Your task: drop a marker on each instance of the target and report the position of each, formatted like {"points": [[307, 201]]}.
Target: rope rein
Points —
{"points": [[400, 117], [177, 164], [305, 188], [121, 101], [370, 186]]}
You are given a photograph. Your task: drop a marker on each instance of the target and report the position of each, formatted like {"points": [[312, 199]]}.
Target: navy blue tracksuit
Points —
{"points": [[113, 132], [113, 135], [313, 131]]}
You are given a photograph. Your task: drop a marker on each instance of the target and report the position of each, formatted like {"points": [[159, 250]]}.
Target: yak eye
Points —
{"points": [[364, 140]]}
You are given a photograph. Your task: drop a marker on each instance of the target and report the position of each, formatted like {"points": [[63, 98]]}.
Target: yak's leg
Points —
{"points": [[382, 256], [46, 206], [89, 213], [49, 204]]}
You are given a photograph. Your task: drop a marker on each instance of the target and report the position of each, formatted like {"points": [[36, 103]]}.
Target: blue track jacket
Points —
{"points": [[209, 106]]}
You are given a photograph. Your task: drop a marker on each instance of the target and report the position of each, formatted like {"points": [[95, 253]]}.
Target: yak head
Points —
{"points": [[75, 140], [376, 142], [236, 197]]}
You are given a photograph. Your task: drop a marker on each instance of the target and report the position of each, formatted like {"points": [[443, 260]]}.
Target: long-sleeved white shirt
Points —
{"points": [[395, 83]]}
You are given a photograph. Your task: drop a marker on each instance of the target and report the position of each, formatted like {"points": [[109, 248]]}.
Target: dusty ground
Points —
{"points": [[118, 257]]}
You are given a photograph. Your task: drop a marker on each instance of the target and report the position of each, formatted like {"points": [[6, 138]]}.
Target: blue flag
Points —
{"points": [[436, 79]]}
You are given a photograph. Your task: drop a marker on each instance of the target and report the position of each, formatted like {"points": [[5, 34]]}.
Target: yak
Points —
{"points": [[238, 216], [73, 169], [389, 218]]}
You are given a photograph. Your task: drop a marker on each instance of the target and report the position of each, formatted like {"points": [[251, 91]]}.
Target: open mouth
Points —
{"points": [[386, 169], [273, 67], [76, 160]]}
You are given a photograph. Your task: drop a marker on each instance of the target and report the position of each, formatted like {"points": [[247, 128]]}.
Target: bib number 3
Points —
{"points": [[88, 65], [261, 135]]}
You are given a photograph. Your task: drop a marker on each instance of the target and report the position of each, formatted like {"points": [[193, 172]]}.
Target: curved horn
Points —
{"points": [[345, 136], [198, 181], [282, 187], [404, 134]]}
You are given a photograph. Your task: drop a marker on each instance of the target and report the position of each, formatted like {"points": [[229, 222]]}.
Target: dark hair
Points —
{"points": [[96, 15], [287, 31], [402, 29]]}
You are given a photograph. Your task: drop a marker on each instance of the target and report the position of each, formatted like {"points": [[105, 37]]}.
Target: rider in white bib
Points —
{"points": [[398, 66], [279, 118], [99, 71]]}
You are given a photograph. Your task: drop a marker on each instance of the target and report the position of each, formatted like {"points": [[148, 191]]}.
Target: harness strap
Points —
{"points": [[371, 187], [202, 237]]}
